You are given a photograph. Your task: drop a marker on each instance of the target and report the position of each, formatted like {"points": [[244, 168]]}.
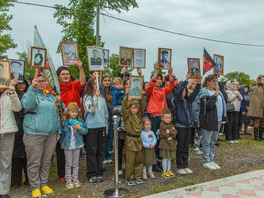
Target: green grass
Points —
{"points": [[180, 182]]}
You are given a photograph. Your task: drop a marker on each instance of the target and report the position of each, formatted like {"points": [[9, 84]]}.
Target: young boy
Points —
{"points": [[117, 93], [133, 112]]}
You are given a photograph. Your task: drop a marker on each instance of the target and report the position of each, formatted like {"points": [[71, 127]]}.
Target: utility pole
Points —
{"points": [[97, 25]]}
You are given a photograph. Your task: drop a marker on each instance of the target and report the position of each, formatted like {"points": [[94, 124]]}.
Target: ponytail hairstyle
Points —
{"points": [[208, 79]]}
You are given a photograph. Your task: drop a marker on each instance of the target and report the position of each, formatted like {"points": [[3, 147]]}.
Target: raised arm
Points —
{"points": [[78, 63], [125, 107]]}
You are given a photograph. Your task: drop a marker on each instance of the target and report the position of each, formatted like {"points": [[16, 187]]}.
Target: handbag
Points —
{"points": [[230, 107]]}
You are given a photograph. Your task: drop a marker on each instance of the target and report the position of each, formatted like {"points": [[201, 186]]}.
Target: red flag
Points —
{"points": [[208, 62]]}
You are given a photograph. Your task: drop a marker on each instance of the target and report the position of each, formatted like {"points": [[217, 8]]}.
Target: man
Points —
{"points": [[164, 56], [4, 82], [38, 59], [96, 60], [125, 60], [136, 90], [219, 65], [16, 67], [69, 52], [194, 68]]}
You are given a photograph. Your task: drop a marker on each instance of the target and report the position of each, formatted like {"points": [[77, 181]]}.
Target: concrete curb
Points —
{"points": [[207, 185]]}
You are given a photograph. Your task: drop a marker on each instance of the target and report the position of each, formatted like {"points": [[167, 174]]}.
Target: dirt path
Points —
{"points": [[234, 159]]}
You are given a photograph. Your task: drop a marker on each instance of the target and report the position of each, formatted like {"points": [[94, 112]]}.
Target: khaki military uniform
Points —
{"points": [[133, 143], [167, 144]]}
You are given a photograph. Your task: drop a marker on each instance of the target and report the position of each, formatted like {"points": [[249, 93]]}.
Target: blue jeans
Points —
{"points": [[109, 137], [209, 141]]}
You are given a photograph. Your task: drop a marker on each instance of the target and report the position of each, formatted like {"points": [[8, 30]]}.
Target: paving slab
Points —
{"points": [[245, 185]]}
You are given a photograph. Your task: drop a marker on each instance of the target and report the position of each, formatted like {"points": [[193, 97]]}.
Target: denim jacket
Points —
{"points": [[66, 134]]}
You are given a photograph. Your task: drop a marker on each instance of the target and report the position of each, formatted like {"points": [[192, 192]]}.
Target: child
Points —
{"points": [[149, 141], [167, 146], [96, 118], [132, 112], [72, 141], [118, 94], [184, 122]]}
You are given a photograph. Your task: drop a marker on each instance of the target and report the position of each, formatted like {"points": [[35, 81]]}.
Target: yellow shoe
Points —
{"points": [[164, 175], [171, 173], [36, 193], [168, 174], [46, 190]]}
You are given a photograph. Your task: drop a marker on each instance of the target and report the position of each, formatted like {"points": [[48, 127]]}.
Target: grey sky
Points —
{"points": [[236, 21]]}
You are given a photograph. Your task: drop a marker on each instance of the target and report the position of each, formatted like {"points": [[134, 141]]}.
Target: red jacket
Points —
{"points": [[157, 97], [71, 92]]}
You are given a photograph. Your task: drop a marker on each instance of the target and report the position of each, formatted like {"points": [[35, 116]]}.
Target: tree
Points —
{"points": [[238, 76], [77, 20], [25, 56], [6, 42], [114, 67]]}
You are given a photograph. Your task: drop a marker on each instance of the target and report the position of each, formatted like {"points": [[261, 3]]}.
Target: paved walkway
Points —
{"points": [[240, 186]]}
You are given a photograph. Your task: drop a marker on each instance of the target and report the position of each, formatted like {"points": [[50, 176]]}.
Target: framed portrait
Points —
{"points": [[38, 57], [194, 67], [106, 57], [69, 53], [17, 70], [139, 58], [5, 74], [219, 67], [164, 57], [95, 58], [136, 86], [126, 56]]}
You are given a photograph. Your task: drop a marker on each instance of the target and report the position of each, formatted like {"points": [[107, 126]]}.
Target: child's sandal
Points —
{"points": [[151, 175], [144, 176]]}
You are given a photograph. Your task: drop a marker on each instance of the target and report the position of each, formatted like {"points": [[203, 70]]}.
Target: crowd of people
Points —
{"points": [[153, 131]]}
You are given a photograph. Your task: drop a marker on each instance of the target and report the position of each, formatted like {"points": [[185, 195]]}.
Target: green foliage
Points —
{"points": [[238, 76], [29, 71], [77, 20], [6, 42], [114, 67]]}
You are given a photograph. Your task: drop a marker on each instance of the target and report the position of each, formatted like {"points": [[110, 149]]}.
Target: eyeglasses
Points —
{"points": [[106, 75]]}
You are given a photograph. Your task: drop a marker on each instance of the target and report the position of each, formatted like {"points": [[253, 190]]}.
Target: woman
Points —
{"points": [[244, 108], [212, 113], [9, 103], [19, 159], [71, 91], [234, 98], [96, 118], [256, 108], [41, 132], [156, 97], [105, 89]]}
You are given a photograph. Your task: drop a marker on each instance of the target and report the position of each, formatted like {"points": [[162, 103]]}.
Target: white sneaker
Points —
{"points": [[209, 166], [188, 171], [109, 161], [235, 141], [105, 162], [231, 141], [181, 171], [215, 165]]}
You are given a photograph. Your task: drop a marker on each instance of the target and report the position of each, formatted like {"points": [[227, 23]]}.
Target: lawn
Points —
{"points": [[234, 159]]}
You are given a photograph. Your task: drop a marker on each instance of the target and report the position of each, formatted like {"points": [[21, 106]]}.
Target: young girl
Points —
{"points": [[167, 146], [184, 121], [96, 118], [149, 141], [132, 112], [72, 141]]}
